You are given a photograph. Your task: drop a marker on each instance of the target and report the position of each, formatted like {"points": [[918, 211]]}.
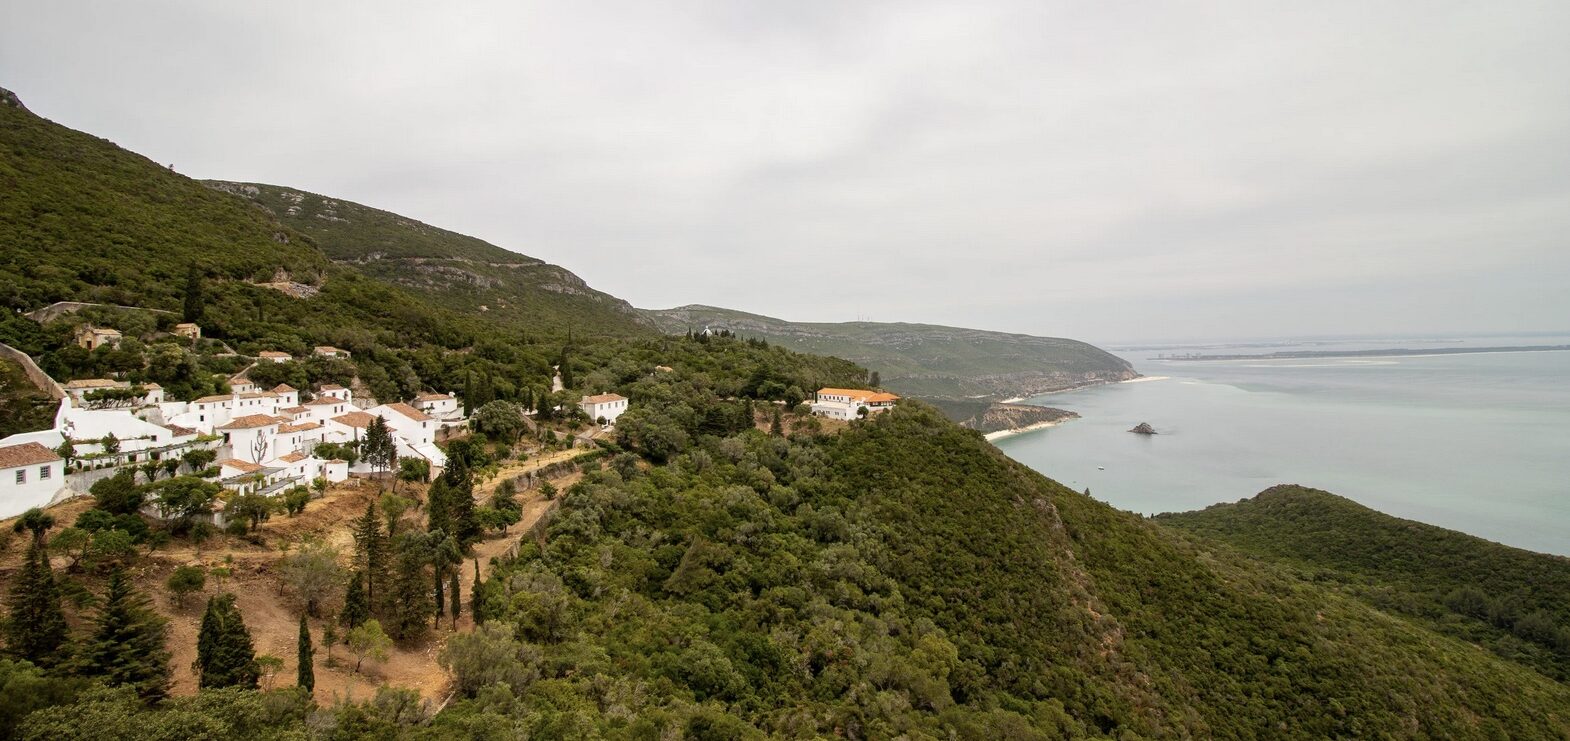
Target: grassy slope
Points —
{"points": [[924, 359], [23, 406], [1399, 565], [454, 270]]}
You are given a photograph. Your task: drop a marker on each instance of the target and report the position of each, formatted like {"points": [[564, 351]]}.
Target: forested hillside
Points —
{"points": [[1514, 602], [925, 359], [447, 268]]}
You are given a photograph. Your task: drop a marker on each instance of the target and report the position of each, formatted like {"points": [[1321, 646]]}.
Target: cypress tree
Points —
{"points": [[459, 518], [468, 393], [195, 302], [408, 601], [35, 627], [542, 405], [776, 427], [476, 596], [454, 592], [371, 551], [356, 603], [306, 674], [225, 656], [441, 596], [127, 645], [438, 507]]}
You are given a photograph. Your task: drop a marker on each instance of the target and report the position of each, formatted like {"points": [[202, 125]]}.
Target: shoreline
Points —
{"points": [[1000, 434], [1141, 379]]}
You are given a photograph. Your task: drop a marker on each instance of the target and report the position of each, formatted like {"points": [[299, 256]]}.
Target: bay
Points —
{"points": [[1474, 442]]}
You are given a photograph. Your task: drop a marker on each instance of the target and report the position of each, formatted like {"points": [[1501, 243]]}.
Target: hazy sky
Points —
{"points": [[1104, 170]]}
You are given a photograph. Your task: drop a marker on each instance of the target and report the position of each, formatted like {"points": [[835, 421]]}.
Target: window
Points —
{"points": [[21, 476], [43, 472]]}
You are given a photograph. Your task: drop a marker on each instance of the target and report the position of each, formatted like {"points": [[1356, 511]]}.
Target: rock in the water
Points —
{"points": [[1143, 428]]}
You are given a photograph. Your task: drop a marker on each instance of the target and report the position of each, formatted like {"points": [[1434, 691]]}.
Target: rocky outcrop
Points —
{"points": [[1002, 417], [1143, 428]]}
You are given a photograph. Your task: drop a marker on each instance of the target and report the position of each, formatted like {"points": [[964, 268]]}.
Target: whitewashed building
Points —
{"points": [[31, 475], [439, 406], [847, 403], [603, 406]]}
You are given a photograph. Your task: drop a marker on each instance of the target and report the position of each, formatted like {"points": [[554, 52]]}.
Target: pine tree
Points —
{"points": [[35, 626], [371, 552], [356, 603], [225, 656], [776, 426], [127, 645], [306, 674], [454, 592], [459, 518]]}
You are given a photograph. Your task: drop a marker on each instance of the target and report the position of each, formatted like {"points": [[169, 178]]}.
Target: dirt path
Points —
{"points": [[272, 614]]}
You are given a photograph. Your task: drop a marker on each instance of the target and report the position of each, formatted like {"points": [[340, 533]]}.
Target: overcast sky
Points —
{"points": [[1103, 170]]}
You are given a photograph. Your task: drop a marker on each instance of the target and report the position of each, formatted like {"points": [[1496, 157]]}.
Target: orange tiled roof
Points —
{"points": [[354, 419], [409, 411], [602, 398]]}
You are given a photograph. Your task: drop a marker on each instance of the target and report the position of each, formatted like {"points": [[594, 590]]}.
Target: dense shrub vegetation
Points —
{"points": [[1515, 602]]}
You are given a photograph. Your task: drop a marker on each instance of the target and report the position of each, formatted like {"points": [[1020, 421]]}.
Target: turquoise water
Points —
{"points": [[1477, 443]]}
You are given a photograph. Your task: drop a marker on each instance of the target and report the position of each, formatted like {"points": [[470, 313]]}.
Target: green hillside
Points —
{"points": [[1514, 602], [906, 579], [925, 359], [450, 269]]}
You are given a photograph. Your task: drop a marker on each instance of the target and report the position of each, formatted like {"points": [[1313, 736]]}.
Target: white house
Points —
{"points": [[603, 406], [273, 356], [328, 351], [30, 476], [288, 396], [847, 403], [440, 406], [251, 437]]}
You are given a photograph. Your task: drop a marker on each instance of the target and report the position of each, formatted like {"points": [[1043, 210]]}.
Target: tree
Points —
{"points": [[254, 509], [312, 571], [67, 450], [502, 420], [35, 626], [35, 521], [267, 667], [488, 655], [356, 605], [224, 654], [195, 302], [393, 507], [776, 424], [454, 589], [408, 599], [110, 443], [414, 470], [305, 673], [370, 548], [183, 497], [378, 448], [295, 499], [876, 380], [184, 581], [368, 642], [117, 494], [196, 460], [127, 645]]}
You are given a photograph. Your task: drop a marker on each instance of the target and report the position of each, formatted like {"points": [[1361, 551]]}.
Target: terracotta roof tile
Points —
{"points": [[409, 411], [602, 398], [249, 421], [26, 454], [354, 419]]}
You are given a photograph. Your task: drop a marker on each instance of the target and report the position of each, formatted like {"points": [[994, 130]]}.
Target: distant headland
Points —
{"points": [[1384, 353]]}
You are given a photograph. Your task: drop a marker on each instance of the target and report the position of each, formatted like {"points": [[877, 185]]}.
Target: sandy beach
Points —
{"points": [[1037, 426]]}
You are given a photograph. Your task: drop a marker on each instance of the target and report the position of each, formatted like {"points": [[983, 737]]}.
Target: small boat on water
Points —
{"points": [[1101, 468]]}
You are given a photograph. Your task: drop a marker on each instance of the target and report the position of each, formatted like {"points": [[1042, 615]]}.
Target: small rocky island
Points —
{"points": [[1143, 428]]}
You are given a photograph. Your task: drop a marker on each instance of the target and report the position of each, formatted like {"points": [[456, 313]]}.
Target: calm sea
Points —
{"points": [[1478, 443]]}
